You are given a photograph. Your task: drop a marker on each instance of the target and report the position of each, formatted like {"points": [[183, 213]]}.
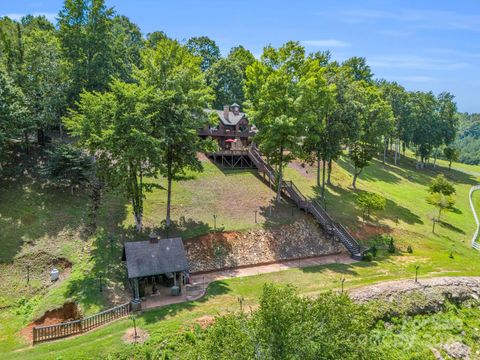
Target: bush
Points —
{"points": [[68, 166], [367, 257], [279, 329], [409, 249], [370, 201], [391, 246], [374, 250]]}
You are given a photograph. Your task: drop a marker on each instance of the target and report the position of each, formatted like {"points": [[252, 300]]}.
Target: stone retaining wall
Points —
{"points": [[301, 239]]}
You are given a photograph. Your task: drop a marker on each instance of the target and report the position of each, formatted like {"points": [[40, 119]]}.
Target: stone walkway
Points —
{"points": [[270, 268], [199, 282]]}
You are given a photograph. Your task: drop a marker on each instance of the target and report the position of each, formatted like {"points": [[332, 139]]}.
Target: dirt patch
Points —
{"points": [[68, 312], [130, 338], [368, 231], [304, 169], [223, 250], [205, 321]]}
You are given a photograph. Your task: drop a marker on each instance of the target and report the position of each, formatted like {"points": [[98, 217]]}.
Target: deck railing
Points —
{"points": [[57, 331], [475, 243], [226, 133], [311, 206]]}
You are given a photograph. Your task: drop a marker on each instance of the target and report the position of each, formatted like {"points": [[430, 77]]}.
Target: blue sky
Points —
{"points": [[424, 45]]}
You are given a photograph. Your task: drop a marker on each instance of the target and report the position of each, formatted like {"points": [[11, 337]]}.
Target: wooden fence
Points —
{"points": [[52, 332]]}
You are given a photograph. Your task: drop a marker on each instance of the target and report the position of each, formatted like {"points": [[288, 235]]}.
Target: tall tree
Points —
{"points": [[448, 120], [117, 129], [373, 122], [241, 56], [397, 97], [44, 80], [12, 113], [359, 69], [127, 44], [177, 96], [206, 49], [273, 93], [425, 125], [226, 78], [85, 31], [318, 101]]}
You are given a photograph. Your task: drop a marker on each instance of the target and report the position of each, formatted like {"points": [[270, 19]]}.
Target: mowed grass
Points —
{"points": [[41, 226], [403, 186]]}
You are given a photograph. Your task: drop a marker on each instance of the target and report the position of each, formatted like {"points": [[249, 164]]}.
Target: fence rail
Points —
{"points": [[57, 331], [475, 244]]}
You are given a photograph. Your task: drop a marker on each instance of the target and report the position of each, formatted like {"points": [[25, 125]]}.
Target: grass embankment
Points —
{"points": [[406, 219], [43, 227]]}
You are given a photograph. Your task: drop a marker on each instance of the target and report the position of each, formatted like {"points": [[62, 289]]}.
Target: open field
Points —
{"points": [[403, 186]]}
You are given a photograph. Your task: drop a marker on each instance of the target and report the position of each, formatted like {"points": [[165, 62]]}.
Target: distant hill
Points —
{"points": [[468, 138]]}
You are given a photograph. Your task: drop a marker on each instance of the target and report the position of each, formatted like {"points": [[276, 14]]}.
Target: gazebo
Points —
{"points": [[155, 261]]}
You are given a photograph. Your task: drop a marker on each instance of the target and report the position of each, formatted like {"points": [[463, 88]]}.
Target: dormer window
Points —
{"points": [[235, 108]]}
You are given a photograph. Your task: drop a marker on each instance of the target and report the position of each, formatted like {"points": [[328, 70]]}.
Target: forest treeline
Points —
{"points": [[135, 102]]}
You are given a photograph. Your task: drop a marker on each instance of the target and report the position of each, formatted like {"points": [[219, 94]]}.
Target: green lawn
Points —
{"points": [[197, 199]]}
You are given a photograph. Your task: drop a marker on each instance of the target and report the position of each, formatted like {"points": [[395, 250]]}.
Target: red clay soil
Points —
{"points": [[368, 231], [208, 240], [67, 312]]}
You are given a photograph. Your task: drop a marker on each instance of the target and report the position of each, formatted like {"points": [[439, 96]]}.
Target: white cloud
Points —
{"points": [[17, 16], [414, 62], [413, 18], [415, 78], [326, 43]]}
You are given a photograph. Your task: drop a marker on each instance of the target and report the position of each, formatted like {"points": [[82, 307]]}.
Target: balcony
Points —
{"points": [[226, 133]]}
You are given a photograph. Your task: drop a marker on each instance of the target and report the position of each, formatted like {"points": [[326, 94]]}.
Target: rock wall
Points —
{"points": [[407, 297], [303, 238]]}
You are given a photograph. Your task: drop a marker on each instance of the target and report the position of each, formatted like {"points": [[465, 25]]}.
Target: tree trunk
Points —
{"points": [[329, 172], [40, 137], [385, 151], [138, 221], [324, 165], [396, 152], [280, 176], [27, 142], [435, 158], [450, 165], [169, 193], [355, 176], [318, 168]]}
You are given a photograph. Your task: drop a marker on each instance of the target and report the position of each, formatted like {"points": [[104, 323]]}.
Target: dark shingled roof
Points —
{"points": [[232, 118], [145, 258]]}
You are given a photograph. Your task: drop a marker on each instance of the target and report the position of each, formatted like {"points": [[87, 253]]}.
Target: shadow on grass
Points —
{"points": [[451, 227], [406, 169], [341, 203], [31, 210]]}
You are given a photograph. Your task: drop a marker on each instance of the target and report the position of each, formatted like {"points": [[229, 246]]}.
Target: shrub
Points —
{"points": [[391, 246], [374, 250], [370, 201], [68, 166], [409, 249], [367, 257]]}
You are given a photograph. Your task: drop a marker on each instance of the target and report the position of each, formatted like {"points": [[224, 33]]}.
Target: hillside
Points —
{"points": [[57, 234], [468, 138]]}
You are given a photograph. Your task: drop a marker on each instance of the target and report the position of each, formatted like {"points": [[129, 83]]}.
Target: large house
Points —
{"points": [[233, 131]]}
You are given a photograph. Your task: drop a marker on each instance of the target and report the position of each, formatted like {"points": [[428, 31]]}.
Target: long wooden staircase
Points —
{"points": [[313, 207]]}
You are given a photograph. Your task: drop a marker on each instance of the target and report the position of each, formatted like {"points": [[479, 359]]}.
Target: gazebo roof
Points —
{"points": [[148, 258]]}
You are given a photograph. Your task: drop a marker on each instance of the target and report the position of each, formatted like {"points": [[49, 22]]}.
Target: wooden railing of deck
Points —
{"points": [[312, 206], [69, 328]]}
